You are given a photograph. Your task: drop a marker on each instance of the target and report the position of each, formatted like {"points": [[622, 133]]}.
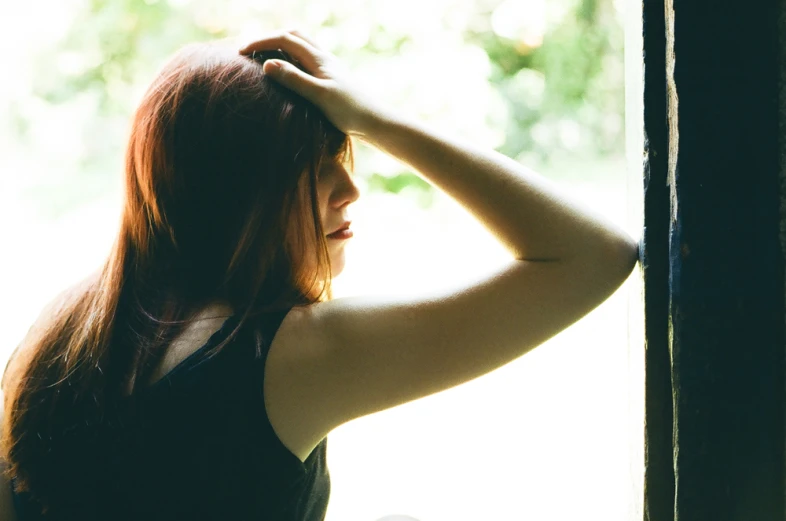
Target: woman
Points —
{"points": [[198, 374]]}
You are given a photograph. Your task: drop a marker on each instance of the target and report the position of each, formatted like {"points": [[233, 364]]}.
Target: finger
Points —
{"points": [[295, 46], [291, 77], [265, 42], [305, 38]]}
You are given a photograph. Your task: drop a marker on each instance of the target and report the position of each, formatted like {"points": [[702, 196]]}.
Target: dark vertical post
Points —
{"points": [[781, 20], [726, 264], [659, 472]]}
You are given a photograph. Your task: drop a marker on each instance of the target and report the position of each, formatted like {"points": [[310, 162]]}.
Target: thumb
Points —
{"points": [[290, 76]]}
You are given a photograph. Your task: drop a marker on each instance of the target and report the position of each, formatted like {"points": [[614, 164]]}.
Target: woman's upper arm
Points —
{"points": [[357, 356]]}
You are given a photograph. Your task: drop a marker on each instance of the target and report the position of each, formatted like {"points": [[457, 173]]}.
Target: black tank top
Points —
{"points": [[196, 444]]}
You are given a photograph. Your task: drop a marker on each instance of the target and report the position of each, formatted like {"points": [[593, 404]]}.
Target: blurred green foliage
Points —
{"points": [[116, 40], [559, 93]]}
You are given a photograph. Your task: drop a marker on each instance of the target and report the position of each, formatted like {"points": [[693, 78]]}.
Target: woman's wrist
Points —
{"points": [[373, 124]]}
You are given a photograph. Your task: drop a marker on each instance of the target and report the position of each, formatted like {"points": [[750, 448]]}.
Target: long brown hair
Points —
{"points": [[220, 205]]}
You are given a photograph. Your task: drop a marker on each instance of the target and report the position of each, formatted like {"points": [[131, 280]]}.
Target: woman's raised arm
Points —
{"points": [[347, 358]]}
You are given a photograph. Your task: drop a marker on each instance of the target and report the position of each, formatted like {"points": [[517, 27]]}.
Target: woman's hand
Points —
{"points": [[325, 82]]}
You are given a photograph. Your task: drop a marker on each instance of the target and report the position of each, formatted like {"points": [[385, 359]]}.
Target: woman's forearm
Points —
{"points": [[524, 210]]}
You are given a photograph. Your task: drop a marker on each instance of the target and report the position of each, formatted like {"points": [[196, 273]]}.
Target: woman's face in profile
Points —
{"points": [[335, 190]]}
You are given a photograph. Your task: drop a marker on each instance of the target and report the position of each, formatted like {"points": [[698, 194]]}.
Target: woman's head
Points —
{"points": [[233, 181]]}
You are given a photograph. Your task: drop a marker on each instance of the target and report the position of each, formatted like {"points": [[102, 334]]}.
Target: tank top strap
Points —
{"points": [[268, 324]]}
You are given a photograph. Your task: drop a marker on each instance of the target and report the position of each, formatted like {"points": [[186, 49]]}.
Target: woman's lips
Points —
{"points": [[346, 233]]}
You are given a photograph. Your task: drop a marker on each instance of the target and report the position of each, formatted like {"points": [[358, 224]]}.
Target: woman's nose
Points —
{"points": [[346, 191]]}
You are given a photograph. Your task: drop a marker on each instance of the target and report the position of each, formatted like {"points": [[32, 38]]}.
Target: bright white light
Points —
{"points": [[521, 20], [569, 133], [531, 84]]}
